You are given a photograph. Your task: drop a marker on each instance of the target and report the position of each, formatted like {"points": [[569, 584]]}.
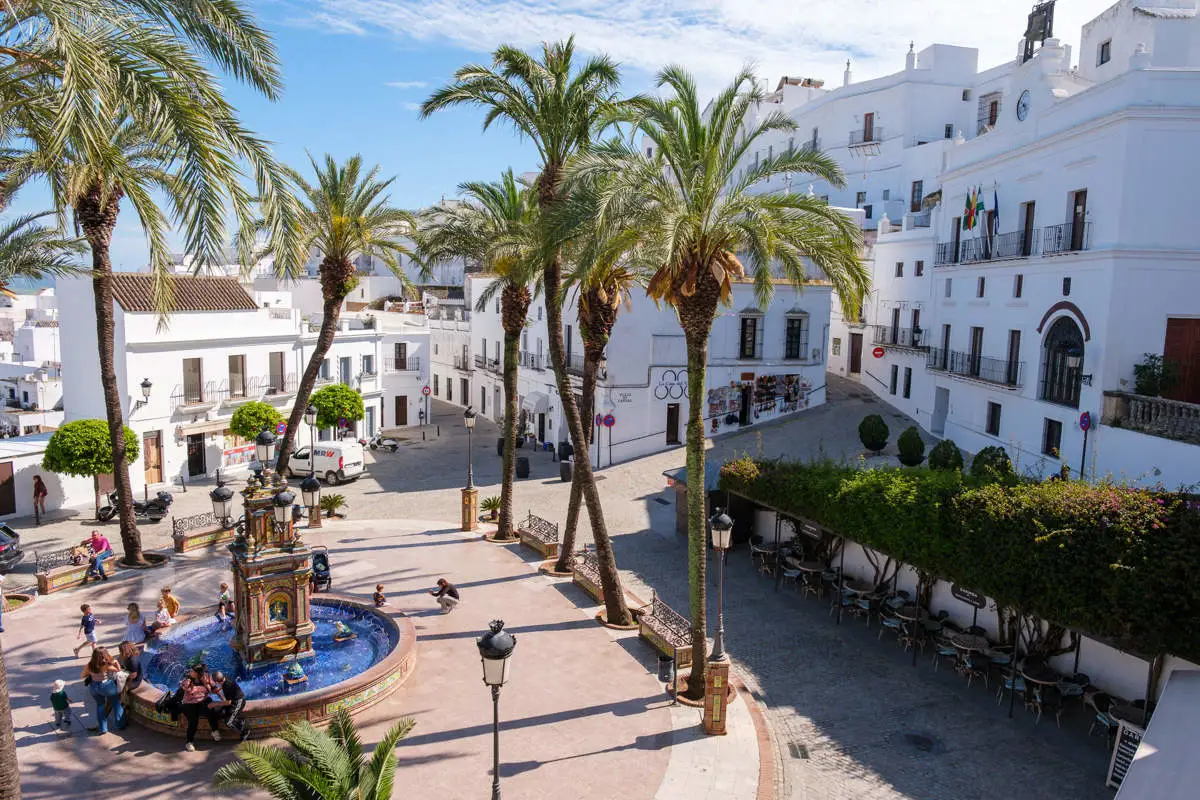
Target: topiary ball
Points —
{"points": [[992, 461], [945, 455], [911, 447], [873, 433]]}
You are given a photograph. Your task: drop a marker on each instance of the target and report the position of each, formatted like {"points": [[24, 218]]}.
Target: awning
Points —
{"points": [[214, 426], [536, 402]]}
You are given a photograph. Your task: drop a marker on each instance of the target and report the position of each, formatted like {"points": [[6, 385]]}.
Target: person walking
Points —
{"points": [[100, 676], [446, 594], [231, 704], [195, 701], [39, 499], [101, 550], [87, 629], [61, 704]]}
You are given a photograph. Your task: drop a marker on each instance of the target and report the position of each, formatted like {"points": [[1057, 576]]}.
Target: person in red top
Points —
{"points": [[100, 551], [39, 498], [197, 688]]}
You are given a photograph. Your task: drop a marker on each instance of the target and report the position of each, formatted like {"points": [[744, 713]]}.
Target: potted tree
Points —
{"points": [[490, 506]]}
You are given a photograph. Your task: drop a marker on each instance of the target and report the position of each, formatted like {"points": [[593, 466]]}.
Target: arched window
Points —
{"points": [[1062, 362]]}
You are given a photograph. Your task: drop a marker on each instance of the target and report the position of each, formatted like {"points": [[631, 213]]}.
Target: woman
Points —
{"points": [[100, 676], [39, 498], [196, 690], [130, 659], [136, 629]]}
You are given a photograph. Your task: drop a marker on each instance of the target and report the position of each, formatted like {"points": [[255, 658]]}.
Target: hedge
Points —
{"points": [[1114, 562], [83, 448]]}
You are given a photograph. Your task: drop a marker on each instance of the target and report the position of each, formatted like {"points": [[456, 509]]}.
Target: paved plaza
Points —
{"points": [[849, 716]]}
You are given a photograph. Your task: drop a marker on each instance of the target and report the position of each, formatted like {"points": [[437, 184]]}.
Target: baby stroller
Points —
{"points": [[321, 577]]}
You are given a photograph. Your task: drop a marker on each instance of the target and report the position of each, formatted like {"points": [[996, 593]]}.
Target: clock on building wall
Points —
{"points": [[1023, 106]]}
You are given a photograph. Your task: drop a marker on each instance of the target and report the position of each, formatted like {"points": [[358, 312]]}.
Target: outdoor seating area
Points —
{"points": [[65, 568]]}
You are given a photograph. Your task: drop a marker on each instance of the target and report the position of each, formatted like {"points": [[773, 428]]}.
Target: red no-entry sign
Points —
{"points": [[877, 352], [425, 391]]}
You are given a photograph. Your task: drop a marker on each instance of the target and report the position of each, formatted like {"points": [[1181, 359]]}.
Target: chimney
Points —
{"points": [[910, 58], [846, 74]]}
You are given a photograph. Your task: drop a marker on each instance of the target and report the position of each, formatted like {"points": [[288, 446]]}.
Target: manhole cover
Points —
{"points": [[926, 744]]}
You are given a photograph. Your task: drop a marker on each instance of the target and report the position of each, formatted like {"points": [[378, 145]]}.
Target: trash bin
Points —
{"points": [[666, 668], [565, 450], [564, 470], [522, 467]]}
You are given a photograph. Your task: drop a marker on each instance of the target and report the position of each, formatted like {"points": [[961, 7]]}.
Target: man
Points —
{"points": [[101, 550], [446, 594], [171, 601], [231, 706]]}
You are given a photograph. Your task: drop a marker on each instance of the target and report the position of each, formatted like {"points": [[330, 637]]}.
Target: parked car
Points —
{"points": [[335, 461], [10, 548]]}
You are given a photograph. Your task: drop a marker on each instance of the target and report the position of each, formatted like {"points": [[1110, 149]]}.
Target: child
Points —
{"points": [[162, 619], [379, 597], [61, 705], [87, 628], [224, 603]]}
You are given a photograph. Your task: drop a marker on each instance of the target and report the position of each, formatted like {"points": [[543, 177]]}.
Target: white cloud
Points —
{"points": [[407, 84], [713, 38], [411, 106]]}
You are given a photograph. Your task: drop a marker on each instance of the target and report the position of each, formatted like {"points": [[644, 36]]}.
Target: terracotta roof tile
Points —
{"points": [[134, 292]]}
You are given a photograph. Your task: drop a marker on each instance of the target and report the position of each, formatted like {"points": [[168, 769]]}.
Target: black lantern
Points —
{"points": [[282, 501], [495, 647], [310, 416], [264, 448], [469, 418], [146, 388], [222, 503], [310, 490], [722, 531]]}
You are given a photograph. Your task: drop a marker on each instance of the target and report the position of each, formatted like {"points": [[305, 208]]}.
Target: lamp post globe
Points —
{"points": [[495, 648], [264, 448], [310, 490], [222, 503], [310, 416], [469, 417], [282, 506], [146, 385], [722, 535]]}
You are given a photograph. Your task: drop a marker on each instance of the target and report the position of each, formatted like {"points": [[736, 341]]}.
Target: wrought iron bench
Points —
{"points": [[667, 631], [198, 530], [540, 535], [58, 570], [585, 573]]}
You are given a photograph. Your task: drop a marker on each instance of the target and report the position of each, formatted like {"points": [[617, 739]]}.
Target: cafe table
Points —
{"points": [[970, 642]]}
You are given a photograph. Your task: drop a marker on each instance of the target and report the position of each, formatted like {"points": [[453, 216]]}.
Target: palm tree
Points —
{"points": [[494, 227], [687, 204], [346, 213], [322, 764], [30, 250], [559, 108]]}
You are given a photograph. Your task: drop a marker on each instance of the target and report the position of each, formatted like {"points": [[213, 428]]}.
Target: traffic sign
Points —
{"points": [[342, 422], [425, 390], [609, 420], [1085, 421], [877, 352], [599, 419], [281, 428]]}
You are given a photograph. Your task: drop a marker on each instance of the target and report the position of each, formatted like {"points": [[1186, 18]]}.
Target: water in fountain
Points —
{"points": [[167, 657]]}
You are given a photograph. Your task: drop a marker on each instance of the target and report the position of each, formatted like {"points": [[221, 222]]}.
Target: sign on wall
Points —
{"points": [[967, 596]]}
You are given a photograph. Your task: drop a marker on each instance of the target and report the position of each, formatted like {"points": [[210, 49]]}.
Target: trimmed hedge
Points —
{"points": [[873, 432], [1115, 562], [945, 455], [911, 447]]}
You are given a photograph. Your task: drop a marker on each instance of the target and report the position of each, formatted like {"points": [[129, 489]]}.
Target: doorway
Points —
{"points": [[941, 407], [1078, 219], [856, 342], [541, 427], [1027, 212], [152, 447], [1182, 346], [8, 489], [195, 454], [672, 423], [401, 410], [744, 411], [464, 391]]}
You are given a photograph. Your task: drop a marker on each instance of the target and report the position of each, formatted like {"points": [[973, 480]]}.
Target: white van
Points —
{"points": [[336, 461]]}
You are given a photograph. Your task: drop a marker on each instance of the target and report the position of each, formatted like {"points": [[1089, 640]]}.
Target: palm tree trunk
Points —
{"points": [[697, 358], [97, 216], [508, 469], [331, 313], [10, 780], [590, 366]]}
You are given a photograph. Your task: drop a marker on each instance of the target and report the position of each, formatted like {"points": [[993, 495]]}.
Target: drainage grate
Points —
{"points": [[798, 750], [662, 502]]}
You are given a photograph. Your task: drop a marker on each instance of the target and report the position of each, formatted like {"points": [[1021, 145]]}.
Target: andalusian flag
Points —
{"points": [[979, 211]]}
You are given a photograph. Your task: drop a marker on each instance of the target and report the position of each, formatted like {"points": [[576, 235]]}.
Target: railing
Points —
{"points": [[945, 254], [543, 530], [888, 336], [208, 394], [1060, 386], [490, 364], [588, 566], [919, 219], [1157, 416], [1003, 246], [873, 136], [270, 385], [575, 364], [531, 360], [669, 623], [279, 313], [1000, 371], [1066, 238], [411, 364], [462, 362]]}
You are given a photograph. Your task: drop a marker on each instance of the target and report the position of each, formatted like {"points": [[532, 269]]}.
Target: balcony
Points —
{"points": [[197, 399], [274, 387], [412, 364], [532, 360], [861, 137], [575, 364], [1049, 241], [1000, 371], [1066, 238], [462, 362], [1168, 419], [490, 364], [888, 336]]}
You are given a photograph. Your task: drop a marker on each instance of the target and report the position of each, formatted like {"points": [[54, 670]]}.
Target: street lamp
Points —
{"points": [[146, 386], [310, 419], [282, 502], [222, 503], [469, 421], [722, 534], [264, 448], [495, 647], [310, 490]]}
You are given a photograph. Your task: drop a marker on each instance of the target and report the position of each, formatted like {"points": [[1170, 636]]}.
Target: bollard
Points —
{"points": [[422, 436], [439, 430]]}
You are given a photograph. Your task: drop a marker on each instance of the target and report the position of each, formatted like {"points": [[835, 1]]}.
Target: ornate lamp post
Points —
{"points": [[495, 647], [282, 507], [222, 503], [716, 684], [310, 490], [264, 448], [470, 495]]}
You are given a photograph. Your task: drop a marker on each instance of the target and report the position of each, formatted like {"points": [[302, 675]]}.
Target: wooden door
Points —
{"points": [[1182, 346], [1027, 228], [8, 489], [152, 449], [401, 410], [673, 423], [1078, 219], [856, 341], [868, 127]]}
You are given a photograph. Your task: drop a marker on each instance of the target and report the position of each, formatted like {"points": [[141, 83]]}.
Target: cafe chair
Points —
{"points": [[1100, 704], [975, 665], [1007, 686], [943, 648], [888, 621], [810, 583], [1049, 700]]}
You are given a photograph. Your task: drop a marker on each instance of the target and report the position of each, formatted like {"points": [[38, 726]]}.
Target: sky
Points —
{"points": [[356, 70]]}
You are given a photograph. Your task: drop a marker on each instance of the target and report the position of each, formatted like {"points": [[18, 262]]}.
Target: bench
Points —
{"points": [[667, 631], [540, 535], [57, 570], [198, 530], [585, 573]]}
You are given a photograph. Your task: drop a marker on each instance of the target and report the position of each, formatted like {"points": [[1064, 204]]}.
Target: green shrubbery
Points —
{"points": [[945, 455], [873, 432], [911, 447], [251, 419], [992, 462], [82, 447], [1112, 561]]}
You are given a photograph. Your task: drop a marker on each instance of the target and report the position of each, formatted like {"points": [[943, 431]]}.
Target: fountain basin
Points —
{"points": [[380, 660]]}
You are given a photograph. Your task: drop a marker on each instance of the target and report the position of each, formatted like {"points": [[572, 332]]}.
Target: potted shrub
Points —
{"points": [[992, 461], [945, 455], [911, 447], [873, 433], [332, 505], [490, 506]]}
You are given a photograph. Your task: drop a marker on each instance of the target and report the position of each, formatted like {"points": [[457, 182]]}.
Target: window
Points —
{"points": [[1105, 54], [748, 342], [237, 376], [325, 370], [980, 283], [948, 131], [539, 308], [275, 363], [993, 419], [859, 199], [368, 365], [1062, 362], [919, 269], [649, 152], [497, 305], [887, 194], [1018, 284], [435, 348], [345, 370], [436, 385], [24, 397], [836, 346], [947, 294], [370, 420], [791, 144], [482, 347], [482, 399], [193, 381], [1066, 287], [525, 341], [867, 211], [916, 327], [918, 194], [400, 353], [795, 344], [496, 345], [966, 95], [907, 382], [449, 390], [1051, 437], [976, 354], [895, 379], [895, 337], [816, 142], [567, 338], [899, 269]]}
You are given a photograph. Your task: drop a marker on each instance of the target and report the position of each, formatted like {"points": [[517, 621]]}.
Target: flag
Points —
{"points": [[979, 215], [995, 212], [968, 212]]}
